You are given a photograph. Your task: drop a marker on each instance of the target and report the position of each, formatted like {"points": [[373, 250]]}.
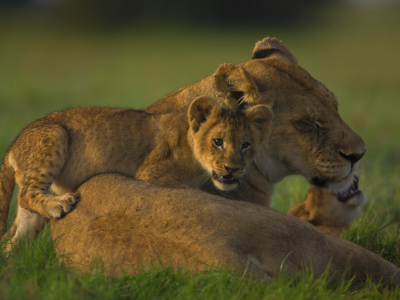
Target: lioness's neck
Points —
{"points": [[272, 168]]}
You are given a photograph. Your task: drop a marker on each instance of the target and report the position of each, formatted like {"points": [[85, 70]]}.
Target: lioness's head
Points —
{"points": [[225, 140], [308, 135]]}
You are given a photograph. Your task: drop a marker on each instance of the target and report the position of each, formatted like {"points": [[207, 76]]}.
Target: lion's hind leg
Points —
{"points": [[38, 157], [26, 228]]}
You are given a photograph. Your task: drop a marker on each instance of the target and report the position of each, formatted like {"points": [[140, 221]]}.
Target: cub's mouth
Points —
{"points": [[350, 192], [228, 179]]}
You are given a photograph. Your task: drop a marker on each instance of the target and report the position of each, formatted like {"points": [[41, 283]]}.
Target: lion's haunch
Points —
{"points": [[129, 224]]}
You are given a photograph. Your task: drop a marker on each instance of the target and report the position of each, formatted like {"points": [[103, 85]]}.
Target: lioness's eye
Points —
{"points": [[316, 125], [218, 142], [245, 145]]}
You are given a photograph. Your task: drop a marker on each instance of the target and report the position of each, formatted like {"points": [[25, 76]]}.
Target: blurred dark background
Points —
{"points": [[124, 12]]}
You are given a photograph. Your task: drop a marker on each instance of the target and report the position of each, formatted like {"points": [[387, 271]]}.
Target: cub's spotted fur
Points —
{"points": [[330, 212], [53, 156]]}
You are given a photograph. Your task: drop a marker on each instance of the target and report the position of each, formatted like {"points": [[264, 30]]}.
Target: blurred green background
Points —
{"points": [[54, 57]]}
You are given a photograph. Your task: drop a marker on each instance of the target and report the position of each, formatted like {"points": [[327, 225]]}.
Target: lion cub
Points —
{"points": [[53, 156], [330, 212]]}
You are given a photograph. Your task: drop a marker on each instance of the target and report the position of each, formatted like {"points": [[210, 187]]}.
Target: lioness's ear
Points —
{"points": [[261, 116], [236, 86], [269, 47], [200, 109]]}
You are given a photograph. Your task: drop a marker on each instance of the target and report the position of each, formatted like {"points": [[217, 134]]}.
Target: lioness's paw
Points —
{"points": [[62, 205]]}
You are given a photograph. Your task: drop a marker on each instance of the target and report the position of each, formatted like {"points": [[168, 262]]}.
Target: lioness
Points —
{"points": [[131, 224], [61, 151], [329, 212], [308, 136]]}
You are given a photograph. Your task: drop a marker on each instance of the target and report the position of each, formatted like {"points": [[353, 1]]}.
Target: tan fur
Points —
{"points": [[300, 105], [295, 147], [64, 149], [130, 224], [322, 209]]}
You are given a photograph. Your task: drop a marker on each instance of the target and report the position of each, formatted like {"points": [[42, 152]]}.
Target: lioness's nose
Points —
{"points": [[353, 157], [231, 170]]}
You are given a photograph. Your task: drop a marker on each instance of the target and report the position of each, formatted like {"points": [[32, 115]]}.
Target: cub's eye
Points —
{"points": [[245, 145], [218, 142]]}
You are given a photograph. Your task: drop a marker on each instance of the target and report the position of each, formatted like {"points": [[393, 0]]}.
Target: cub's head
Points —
{"points": [[330, 212], [308, 136], [225, 140]]}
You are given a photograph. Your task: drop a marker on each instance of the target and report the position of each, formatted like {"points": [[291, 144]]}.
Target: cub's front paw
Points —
{"points": [[61, 205]]}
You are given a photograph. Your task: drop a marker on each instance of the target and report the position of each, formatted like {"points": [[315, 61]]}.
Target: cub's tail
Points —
{"points": [[7, 183]]}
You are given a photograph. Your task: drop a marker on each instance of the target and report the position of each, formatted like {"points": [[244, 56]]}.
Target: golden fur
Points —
{"points": [[140, 224], [323, 209], [53, 156], [308, 135], [130, 224]]}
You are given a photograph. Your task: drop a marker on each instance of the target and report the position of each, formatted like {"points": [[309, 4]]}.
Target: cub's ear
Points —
{"points": [[269, 47], [200, 110], [300, 211], [235, 86], [261, 116]]}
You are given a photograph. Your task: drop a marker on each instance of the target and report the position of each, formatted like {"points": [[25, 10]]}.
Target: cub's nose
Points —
{"points": [[353, 157], [231, 170]]}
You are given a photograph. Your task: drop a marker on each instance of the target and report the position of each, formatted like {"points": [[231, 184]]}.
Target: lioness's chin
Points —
{"points": [[225, 183], [336, 187]]}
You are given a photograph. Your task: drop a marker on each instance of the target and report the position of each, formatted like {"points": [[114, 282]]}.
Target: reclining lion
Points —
{"points": [[131, 224]]}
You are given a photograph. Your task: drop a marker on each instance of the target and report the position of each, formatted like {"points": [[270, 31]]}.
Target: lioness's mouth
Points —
{"points": [[350, 192], [228, 179]]}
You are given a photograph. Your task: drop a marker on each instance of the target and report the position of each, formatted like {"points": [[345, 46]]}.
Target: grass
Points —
{"points": [[354, 53]]}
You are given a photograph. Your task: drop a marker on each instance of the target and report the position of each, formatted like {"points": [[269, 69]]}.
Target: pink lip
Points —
{"points": [[350, 192]]}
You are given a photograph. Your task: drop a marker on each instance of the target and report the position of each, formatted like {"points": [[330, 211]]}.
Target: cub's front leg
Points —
{"points": [[162, 173], [164, 180], [253, 187]]}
